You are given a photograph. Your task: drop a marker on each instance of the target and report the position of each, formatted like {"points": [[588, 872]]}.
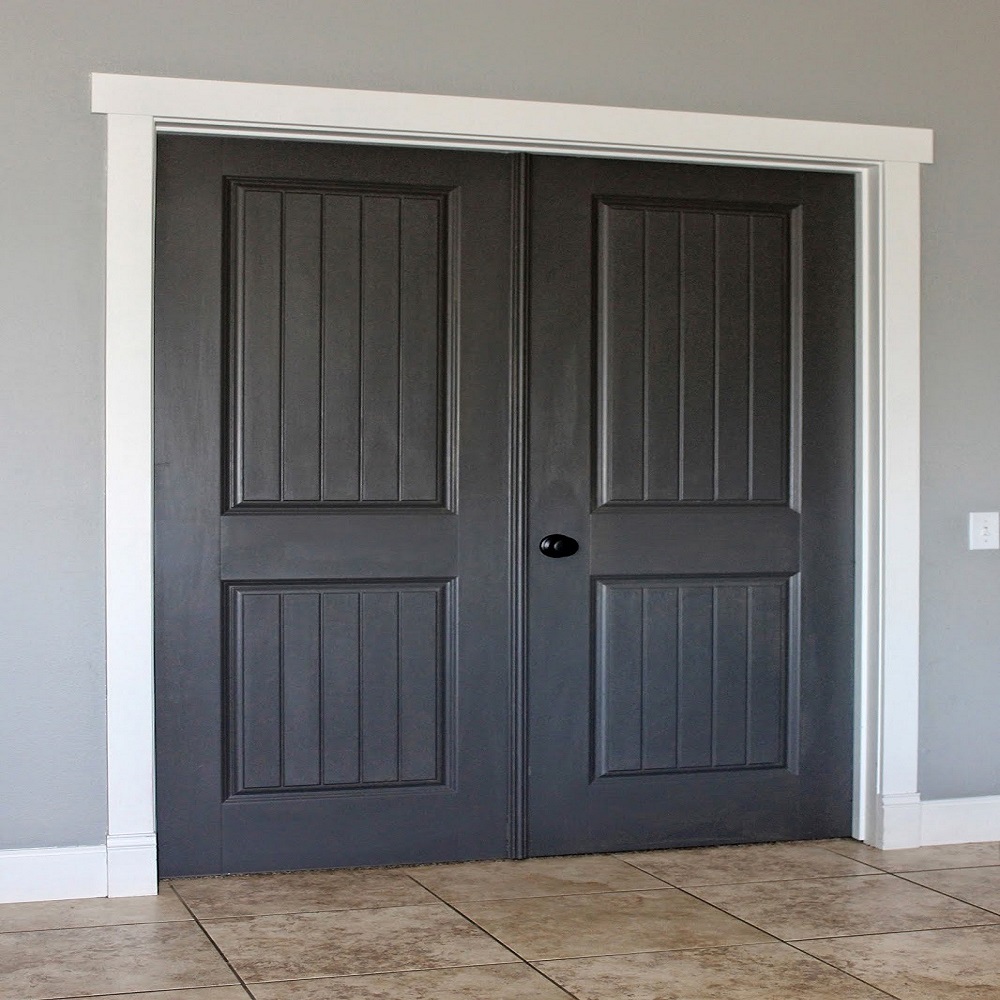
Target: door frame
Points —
{"points": [[885, 162]]}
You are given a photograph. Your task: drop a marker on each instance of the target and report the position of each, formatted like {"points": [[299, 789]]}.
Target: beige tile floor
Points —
{"points": [[831, 920]]}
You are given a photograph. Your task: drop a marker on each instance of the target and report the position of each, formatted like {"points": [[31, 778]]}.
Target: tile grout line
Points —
{"points": [[240, 980], [830, 878], [142, 993], [520, 959], [85, 927], [794, 945], [691, 895], [666, 885], [958, 899], [843, 972], [789, 944]]}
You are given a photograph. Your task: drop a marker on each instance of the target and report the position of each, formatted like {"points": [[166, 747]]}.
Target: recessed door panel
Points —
{"points": [[693, 351], [339, 345], [339, 686], [690, 675]]}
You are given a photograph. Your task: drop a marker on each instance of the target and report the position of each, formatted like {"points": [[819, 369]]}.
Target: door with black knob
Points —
{"points": [[691, 401], [503, 505]]}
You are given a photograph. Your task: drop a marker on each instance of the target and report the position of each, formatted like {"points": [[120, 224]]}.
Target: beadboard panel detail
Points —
{"points": [[359, 675], [691, 675], [339, 333], [695, 353]]}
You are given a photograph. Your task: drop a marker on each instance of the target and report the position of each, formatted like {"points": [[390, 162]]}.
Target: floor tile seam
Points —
{"points": [[905, 876], [519, 963], [783, 881], [843, 972], [87, 927], [557, 895], [392, 972], [225, 958], [659, 878], [948, 895], [506, 947], [296, 913], [739, 946], [407, 970], [841, 854], [904, 930], [890, 871], [758, 881], [693, 889], [319, 977], [963, 868], [172, 989], [774, 937]]}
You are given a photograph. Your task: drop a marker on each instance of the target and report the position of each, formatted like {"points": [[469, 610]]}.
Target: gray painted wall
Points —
{"points": [[903, 62]]}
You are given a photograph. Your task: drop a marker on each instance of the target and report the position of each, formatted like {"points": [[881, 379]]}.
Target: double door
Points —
{"points": [[383, 377]]}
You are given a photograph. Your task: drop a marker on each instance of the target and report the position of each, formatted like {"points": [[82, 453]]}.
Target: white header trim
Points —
{"points": [[486, 122]]}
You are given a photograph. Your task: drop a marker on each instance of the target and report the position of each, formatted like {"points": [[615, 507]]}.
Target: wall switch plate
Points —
{"points": [[984, 530]]}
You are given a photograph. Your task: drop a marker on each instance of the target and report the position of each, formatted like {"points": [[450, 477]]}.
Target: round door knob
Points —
{"points": [[558, 546]]}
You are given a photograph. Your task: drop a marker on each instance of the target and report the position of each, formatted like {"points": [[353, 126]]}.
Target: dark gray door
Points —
{"points": [[332, 637], [691, 400], [340, 558]]}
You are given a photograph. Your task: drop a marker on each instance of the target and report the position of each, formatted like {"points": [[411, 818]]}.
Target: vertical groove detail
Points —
{"points": [[320, 688], [361, 687], [708, 647], [716, 352], [681, 360], [281, 355], [399, 685], [643, 666], [399, 349], [281, 688], [751, 356], [714, 686], [645, 356], [748, 673], [338, 686], [716, 405], [361, 350], [517, 812], [321, 374]]}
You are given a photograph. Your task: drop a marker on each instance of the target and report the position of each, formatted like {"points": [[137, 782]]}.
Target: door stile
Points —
{"points": [[517, 841]]}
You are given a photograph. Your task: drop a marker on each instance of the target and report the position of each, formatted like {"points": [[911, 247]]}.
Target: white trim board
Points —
{"points": [[885, 162], [53, 873], [908, 821], [121, 868]]}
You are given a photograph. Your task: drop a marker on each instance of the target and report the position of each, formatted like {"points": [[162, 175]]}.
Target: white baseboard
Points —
{"points": [[960, 821], [53, 873], [897, 822], [124, 866], [909, 821], [132, 865]]}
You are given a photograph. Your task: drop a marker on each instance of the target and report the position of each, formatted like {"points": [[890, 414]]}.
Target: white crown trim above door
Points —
{"points": [[885, 162]]}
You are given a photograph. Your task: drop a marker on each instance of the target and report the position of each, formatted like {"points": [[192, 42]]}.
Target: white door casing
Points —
{"points": [[885, 162]]}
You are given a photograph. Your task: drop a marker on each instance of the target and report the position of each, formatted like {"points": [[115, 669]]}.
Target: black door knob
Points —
{"points": [[558, 546]]}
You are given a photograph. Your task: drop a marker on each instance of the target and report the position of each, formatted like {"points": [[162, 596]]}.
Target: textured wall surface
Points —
{"points": [[901, 62]]}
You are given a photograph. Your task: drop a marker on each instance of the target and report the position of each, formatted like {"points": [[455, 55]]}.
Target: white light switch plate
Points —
{"points": [[984, 530]]}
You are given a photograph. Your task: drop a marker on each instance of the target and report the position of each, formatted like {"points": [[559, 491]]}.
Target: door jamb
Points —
{"points": [[885, 162]]}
